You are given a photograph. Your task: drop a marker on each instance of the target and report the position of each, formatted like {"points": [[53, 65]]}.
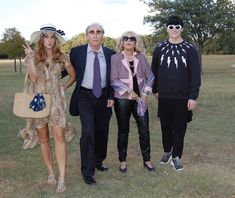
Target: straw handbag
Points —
{"points": [[27, 105]]}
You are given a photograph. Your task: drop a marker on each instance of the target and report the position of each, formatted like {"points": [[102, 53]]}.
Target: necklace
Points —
{"points": [[129, 63], [131, 68], [129, 58]]}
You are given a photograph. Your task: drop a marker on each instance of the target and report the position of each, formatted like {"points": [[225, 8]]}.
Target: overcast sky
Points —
{"points": [[73, 16]]}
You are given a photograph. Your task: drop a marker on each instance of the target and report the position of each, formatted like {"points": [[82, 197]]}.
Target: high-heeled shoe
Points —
{"points": [[123, 170], [150, 169]]}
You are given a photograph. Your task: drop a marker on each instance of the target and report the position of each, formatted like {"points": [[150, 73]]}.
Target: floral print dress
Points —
{"points": [[48, 83]]}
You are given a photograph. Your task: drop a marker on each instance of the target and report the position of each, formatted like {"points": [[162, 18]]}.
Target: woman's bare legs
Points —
{"points": [[45, 150], [61, 155]]}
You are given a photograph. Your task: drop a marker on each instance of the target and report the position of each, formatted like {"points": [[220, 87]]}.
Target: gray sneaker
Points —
{"points": [[166, 158], [177, 164]]}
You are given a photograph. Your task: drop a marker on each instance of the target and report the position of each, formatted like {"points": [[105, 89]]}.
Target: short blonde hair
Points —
{"points": [[139, 46]]}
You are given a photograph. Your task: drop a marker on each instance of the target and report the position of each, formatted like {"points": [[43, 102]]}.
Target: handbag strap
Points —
{"points": [[25, 89]]}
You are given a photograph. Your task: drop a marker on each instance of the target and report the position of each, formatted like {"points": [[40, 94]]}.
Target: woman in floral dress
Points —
{"points": [[44, 66]]}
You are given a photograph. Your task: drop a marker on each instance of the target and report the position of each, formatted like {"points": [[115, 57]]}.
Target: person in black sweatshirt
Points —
{"points": [[176, 67]]}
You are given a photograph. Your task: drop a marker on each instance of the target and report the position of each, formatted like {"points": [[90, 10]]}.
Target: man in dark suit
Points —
{"points": [[92, 99]]}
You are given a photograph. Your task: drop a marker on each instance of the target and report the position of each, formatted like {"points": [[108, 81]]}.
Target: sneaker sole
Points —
{"points": [[180, 169], [161, 162]]}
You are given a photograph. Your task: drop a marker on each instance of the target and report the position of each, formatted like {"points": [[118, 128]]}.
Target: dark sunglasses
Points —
{"points": [[171, 27], [95, 32], [126, 38]]}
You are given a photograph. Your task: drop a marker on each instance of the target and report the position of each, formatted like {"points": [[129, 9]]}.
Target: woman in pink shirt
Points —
{"points": [[131, 78]]}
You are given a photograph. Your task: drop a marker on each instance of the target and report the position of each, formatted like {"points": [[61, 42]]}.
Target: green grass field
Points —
{"points": [[209, 153]]}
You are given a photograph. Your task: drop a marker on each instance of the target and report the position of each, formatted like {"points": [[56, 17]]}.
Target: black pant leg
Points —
{"points": [[180, 126], [122, 109], [143, 130], [102, 118], [87, 139], [166, 119], [167, 134]]}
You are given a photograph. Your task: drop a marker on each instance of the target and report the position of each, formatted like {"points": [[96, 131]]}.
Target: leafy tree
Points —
{"points": [[81, 39], [226, 43], [213, 47], [110, 42], [11, 44], [75, 41], [3, 56], [204, 19], [150, 41]]}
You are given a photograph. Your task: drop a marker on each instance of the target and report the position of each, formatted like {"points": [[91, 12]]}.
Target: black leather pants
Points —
{"points": [[123, 109]]}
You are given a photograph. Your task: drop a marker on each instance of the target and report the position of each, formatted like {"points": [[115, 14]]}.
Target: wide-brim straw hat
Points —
{"points": [[35, 36]]}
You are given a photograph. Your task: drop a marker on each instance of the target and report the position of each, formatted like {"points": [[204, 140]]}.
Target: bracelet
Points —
{"points": [[145, 94], [29, 61]]}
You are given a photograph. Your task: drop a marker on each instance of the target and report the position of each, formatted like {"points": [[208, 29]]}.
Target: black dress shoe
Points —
{"points": [[149, 168], [89, 180], [102, 167], [123, 170]]}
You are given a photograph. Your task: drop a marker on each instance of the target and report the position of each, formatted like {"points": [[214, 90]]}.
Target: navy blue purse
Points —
{"points": [[38, 103]]}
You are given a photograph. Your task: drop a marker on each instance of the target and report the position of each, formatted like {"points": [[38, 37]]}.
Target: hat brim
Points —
{"points": [[35, 36]]}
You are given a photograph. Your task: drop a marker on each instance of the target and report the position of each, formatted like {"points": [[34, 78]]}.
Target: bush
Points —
{"points": [[3, 56]]}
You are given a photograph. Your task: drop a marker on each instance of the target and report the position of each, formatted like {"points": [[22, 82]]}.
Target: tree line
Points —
{"points": [[209, 24]]}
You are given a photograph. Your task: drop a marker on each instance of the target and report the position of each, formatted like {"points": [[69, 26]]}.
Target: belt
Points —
{"points": [[86, 89]]}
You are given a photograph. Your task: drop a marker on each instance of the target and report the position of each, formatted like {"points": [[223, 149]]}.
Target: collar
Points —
{"points": [[89, 50]]}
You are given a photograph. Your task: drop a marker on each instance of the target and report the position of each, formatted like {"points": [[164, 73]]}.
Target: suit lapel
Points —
{"points": [[125, 63], [136, 62], [107, 60], [81, 60]]}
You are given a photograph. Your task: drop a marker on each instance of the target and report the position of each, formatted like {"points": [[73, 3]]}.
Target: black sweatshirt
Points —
{"points": [[177, 70]]}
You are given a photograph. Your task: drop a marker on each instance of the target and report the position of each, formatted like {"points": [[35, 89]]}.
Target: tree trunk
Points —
{"points": [[20, 66], [200, 47], [15, 65]]}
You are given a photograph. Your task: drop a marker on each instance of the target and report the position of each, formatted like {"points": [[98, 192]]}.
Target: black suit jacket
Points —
{"points": [[78, 57]]}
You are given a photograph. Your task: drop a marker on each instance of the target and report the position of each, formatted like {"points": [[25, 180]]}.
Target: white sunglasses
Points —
{"points": [[171, 27]]}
